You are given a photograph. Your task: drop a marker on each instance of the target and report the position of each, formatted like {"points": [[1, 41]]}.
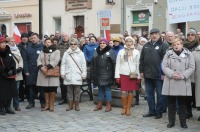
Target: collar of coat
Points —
{"points": [[158, 42], [197, 48], [101, 52], [170, 52], [70, 51], [49, 49]]}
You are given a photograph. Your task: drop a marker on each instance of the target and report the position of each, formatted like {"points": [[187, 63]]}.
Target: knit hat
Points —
{"points": [[133, 40], [2, 39], [192, 31], [143, 39], [24, 35], [117, 39], [104, 40]]}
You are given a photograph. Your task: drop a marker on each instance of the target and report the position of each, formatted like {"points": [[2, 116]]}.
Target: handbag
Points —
{"points": [[133, 75], [52, 72], [12, 76]]}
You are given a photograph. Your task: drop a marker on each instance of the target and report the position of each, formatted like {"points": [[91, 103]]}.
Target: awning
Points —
{"points": [[140, 25]]}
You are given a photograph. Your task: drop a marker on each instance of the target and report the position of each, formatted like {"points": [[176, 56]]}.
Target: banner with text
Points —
{"points": [[183, 10]]}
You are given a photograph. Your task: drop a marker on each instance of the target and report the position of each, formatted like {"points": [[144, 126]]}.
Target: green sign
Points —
{"points": [[140, 17]]}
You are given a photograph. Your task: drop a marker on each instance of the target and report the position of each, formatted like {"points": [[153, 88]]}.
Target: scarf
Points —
{"points": [[128, 53], [13, 48]]}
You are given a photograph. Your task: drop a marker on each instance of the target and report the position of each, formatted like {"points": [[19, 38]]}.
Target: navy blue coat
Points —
{"points": [[30, 63]]}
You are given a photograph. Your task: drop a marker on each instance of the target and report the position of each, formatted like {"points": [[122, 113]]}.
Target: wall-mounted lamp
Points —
{"points": [[110, 2], [156, 1]]}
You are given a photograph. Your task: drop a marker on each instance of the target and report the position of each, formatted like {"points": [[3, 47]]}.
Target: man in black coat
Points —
{"points": [[150, 68]]}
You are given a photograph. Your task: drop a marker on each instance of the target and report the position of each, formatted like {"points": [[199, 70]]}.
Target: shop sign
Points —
{"points": [[140, 17], [78, 4], [27, 14]]}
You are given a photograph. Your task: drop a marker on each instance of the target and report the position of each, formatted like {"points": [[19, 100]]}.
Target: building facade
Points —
{"points": [[143, 15], [80, 16], [21, 13]]}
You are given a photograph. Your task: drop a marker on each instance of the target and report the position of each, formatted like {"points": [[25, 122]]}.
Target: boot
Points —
{"points": [[2, 111], [51, 101], [70, 107], [124, 105], [108, 106], [77, 106], [46, 95], [99, 106], [182, 116], [129, 103], [7, 107], [171, 115]]}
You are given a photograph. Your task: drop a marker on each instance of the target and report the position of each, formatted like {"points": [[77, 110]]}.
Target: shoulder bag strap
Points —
{"points": [[75, 62], [2, 62], [14, 57]]}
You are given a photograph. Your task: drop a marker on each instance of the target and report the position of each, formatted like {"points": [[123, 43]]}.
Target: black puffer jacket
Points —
{"points": [[151, 58], [103, 65]]}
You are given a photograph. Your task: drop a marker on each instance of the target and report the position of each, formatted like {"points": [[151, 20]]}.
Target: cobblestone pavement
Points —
{"points": [[86, 120]]}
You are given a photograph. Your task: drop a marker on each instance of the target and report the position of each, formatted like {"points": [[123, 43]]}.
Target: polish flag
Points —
{"points": [[17, 35], [107, 34]]}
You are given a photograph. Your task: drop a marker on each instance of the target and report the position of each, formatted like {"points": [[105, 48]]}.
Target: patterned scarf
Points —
{"points": [[128, 53]]}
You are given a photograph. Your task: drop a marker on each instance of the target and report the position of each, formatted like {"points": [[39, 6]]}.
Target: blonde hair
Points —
{"points": [[177, 40], [10, 38]]}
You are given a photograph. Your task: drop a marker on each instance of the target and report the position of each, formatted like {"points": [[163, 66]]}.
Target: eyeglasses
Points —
{"points": [[102, 43], [73, 44], [190, 34]]}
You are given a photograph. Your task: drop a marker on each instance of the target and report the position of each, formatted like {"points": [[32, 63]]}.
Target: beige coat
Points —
{"points": [[19, 63], [196, 55], [52, 59], [185, 65], [73, 76]]}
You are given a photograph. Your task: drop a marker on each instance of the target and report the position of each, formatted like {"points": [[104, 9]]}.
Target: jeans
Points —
{"points": [[33, 89], [104, 91], [152, 86], [16, 99]]}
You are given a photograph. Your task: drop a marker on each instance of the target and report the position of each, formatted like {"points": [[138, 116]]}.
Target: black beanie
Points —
{"points": [[29, 33], [24, 35]]}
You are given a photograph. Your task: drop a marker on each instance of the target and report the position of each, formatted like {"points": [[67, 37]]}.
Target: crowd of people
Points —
{"points": [[165, 64]]}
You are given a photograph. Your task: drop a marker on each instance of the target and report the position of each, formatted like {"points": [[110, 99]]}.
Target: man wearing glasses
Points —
{"points": [[191, 44]]}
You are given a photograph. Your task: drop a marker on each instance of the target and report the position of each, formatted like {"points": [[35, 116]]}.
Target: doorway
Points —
{"points": [[79, 25]]}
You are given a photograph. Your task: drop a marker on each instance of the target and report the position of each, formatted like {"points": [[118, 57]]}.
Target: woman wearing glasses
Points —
{"points": [[73, 71], [127, 63], [103, 65]]}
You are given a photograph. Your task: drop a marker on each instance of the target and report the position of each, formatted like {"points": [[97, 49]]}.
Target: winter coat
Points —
{"points": [[116, 49], [30, 63], [126, 67], [19, 63], [196, 74], [62, 47], [8, 88], [103, 65], [151, 58], [52, 56], [71, 72], [89, 51], [22, 48], [185, 65]]}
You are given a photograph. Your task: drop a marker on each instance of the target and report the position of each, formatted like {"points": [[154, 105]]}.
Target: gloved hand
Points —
{"points": [[117, 80], [19, 70], [138, 81], [10, 72]]}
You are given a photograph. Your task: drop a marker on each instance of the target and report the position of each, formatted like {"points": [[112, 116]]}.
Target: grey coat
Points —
{"points": [[185, 65], [196, 74]]}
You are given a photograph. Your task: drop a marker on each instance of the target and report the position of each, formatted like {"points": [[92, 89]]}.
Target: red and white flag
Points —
{"points": [[17, 35], [107, 34]]}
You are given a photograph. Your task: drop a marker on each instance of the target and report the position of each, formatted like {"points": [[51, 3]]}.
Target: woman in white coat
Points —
{"points": [[19, 66], [178, 66], [127, 62], [73, 71]]}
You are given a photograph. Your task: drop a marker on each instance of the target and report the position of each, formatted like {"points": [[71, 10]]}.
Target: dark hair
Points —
{"points": [[93, 37], [36, 34], [47, 39], [55, 38]]}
